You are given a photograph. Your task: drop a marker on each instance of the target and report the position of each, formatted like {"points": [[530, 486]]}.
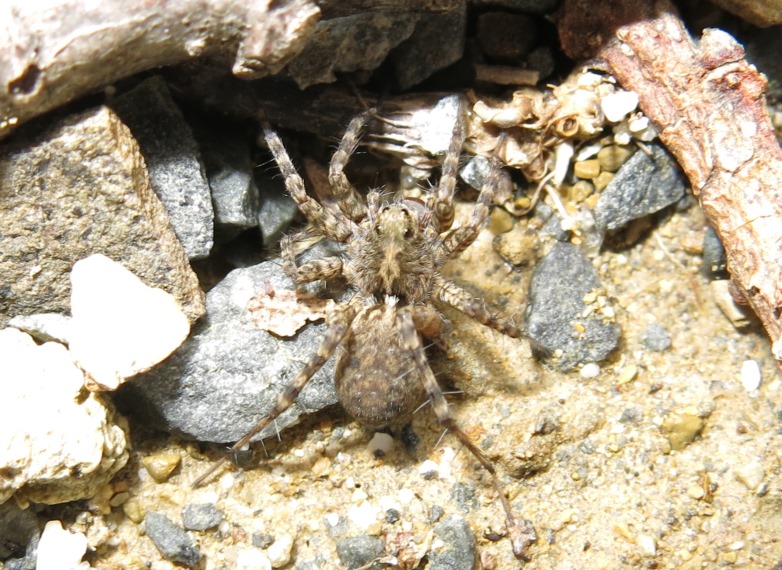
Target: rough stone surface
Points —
{"points": [[415, 60], [60, 548], [350, 43], [229, 373], [229, 169], [458, 550], [120, 326], [357, 551], [642, 186], [276, 213], [555, 314], [78, 188], [20, 535], [715, 260], [173, 161], [45, 327], [52, 430], [656, 338], [172, 542], [201, 516]]}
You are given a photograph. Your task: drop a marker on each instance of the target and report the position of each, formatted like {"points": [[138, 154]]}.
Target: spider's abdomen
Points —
{"points": [[376, 380]]}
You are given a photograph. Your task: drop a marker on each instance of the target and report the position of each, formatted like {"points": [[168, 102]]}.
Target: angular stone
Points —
{"points": [[173, 161], [642, 186], [78, 188], [229, 372], [350, 43], [52, 430], [172, 542], [558, 319]]}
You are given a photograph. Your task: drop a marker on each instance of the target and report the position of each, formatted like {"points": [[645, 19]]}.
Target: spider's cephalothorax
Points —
{"points": [[392, 259]]}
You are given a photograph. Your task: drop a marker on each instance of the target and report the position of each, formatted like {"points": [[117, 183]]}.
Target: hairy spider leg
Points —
{"points": [[348, 199]]}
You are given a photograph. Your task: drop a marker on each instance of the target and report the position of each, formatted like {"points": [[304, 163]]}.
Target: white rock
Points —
{"points": [[618, 105], [381, 442], [120, 325], [750, 375], [252, 559], [590, 370], [51, 428], [750, 473], [60, 549], [648, 544], [279, 552]]}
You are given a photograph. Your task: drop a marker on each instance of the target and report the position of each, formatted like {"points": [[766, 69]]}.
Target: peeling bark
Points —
{"points": [[708, 103]]}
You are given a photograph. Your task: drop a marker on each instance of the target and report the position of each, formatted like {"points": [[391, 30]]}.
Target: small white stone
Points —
{"points": [[120, 325], [252, 559], [362, 515], [429, 469], [381, 442], [750, 473], [59, 548], [647, 544], [590, 370], [280, 550], [750, 375], [618, 105]]}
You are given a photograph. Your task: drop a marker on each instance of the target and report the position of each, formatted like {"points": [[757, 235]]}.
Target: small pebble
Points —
{"points": [[613, 156], [750, 375], [252, 559], [172, 542], [59, 548], [695, 492], [750, 474], [618, 105], [587, 169], [380, 444], [161, 465], [201, 516], [647, 544], [132, 509], [500, 221], [457, 546], [358, 551], [600, 183], [279, 552], [590, 370], [656, 338], [681, 427]]}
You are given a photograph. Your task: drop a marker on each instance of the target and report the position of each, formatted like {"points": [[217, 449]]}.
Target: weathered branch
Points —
{"points": [[709, 104]]}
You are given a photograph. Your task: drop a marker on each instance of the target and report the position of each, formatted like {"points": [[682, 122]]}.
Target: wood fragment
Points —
{"points": [[709, 105]]}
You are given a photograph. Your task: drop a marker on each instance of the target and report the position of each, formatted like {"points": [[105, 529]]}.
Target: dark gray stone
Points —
{"points": [[228, 374], [277, 212], [201, 516], [525, 6], [351, 43], [458, 551], [173, 161], [642, 186], [359, 551], [465, 496], [19, 536], [415, 59], [656, 338], [172, 542], [715, 260], [560, 282], [229, 169]]}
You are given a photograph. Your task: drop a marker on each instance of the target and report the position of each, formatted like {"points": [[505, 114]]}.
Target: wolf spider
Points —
{"points": [[393, 254]]}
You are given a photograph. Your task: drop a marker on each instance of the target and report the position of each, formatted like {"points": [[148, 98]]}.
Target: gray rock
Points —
{"points": [[225, 377], [715, 260], [20, 535], [656, 338], [277, 212], [201, 516], [229, 169], [415, 60], [560, 282], [358, 551], [172, 542], [642, 186], [173, 161], [524, 6], [92, 195], [351, 43], [458, 550]]}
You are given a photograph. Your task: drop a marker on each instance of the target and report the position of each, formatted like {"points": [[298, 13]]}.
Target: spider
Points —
{"points": [[392, 256]]}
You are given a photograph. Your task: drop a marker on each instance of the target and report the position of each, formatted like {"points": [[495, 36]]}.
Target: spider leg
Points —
{"points": [[453, 295], [348, 199], [443, 200], [520, 532], [338, 326], [313, 270], [457, 240], [333, 225]]}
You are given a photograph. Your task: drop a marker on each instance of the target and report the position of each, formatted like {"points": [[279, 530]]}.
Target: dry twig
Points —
{"points": [[708, 103]]}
